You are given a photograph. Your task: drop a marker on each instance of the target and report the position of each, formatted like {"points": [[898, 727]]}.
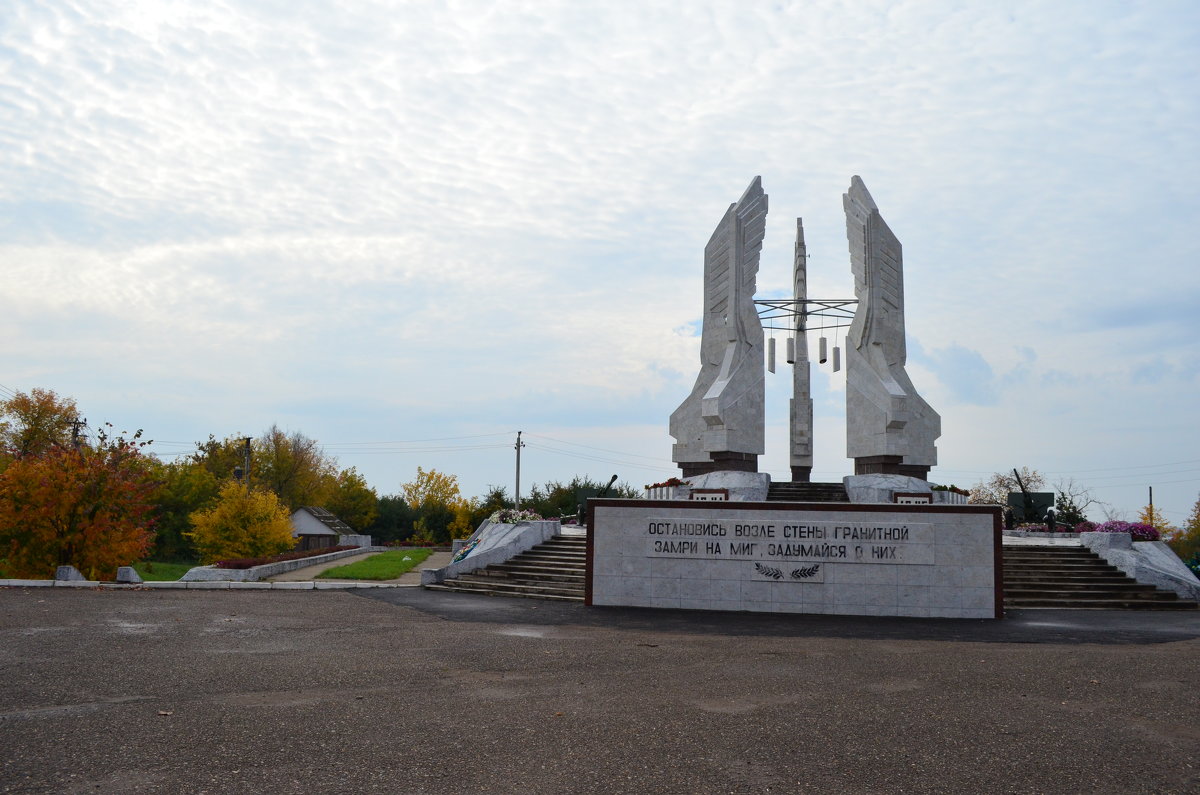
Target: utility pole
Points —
{"points": [[517, 496], [75, 426], [1151, 502], [246, 461]]}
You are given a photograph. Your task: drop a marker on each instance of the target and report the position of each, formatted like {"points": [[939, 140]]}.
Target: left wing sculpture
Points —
{"points": [[720, 426]]}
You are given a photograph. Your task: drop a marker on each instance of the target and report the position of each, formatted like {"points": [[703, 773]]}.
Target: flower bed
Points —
{"points": [[248, 563], [513, 516], [1139, 532]]}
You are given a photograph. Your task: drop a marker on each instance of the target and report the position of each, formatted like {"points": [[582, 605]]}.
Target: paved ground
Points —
{"points": [[434, 561], [407, 691]]}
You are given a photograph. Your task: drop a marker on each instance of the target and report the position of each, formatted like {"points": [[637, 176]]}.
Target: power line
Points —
{"points": [[585, 457], [602, 449], [416, 441], [407, 450]]}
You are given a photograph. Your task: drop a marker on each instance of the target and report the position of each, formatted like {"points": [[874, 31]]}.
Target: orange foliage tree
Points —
{"points": [[33, 422], [89, 508]]}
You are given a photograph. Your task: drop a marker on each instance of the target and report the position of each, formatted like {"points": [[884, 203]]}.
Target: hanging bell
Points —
{"points": [[770, 354], [791, 350], [837, 358], [822, 348]]}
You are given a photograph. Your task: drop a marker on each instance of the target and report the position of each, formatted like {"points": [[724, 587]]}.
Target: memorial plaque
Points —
{"points": [[865, 559]]}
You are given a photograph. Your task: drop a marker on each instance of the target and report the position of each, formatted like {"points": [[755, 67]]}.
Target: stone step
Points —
{"points": [[477, 591], [528, 586], [512, 588], [1061, 582], [1064, 571], [1101, 604], [564, 541], [1025, 586], [1076, 577], [502, 571], [1059, 571], [552, 557], [799, 491], [554, 569], [1135, 591], [1072, 560]]}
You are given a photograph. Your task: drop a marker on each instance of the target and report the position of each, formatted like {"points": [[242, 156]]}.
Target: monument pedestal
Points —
{"points": [[882, 487], [888, 465], [721, 462]]}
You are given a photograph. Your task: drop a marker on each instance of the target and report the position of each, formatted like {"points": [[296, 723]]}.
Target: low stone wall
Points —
{"points": [[256, 573], [497, 543], [216, 585], [878, 560], [1148, 562]]}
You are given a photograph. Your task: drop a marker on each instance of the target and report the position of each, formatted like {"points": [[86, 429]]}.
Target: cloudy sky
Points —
{"points": [[411, 229]]}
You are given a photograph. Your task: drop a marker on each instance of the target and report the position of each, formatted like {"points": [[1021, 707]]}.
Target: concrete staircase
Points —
{"points": [[1076, 577], [799, 491], [555, 569]]}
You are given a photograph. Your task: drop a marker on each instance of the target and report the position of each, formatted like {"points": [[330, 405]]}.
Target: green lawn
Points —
{"points": [[384, 566], [157, 571]]}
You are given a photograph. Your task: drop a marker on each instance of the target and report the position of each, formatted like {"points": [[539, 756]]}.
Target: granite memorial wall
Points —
{"points": [[879, 560]]}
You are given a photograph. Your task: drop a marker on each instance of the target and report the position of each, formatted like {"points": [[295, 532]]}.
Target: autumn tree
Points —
{"points": [[562, 499], [432, 496], [244, 523], [350, 499], [31, 424], [1186, 540], [1153, 517], [494, 499], [394, 521], [464, 511], [89, 508], [995, 490], [293, 466], [220, 457], [183, 487]]}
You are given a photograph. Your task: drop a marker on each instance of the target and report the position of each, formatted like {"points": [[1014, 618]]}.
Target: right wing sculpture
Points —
{"points": [[889, 427]]}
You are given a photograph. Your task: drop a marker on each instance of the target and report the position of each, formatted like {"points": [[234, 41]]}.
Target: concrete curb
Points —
{"points": [[256, 573], [202, 585]]}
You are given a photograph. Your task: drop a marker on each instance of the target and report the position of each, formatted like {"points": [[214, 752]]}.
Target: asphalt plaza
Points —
{"points": [[403, 690]]}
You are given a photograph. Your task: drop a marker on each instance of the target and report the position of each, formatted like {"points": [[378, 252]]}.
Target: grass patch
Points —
{"points": [[384, 566], [157, 571]]}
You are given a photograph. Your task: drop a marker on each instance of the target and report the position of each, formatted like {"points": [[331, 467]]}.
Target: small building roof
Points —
{"points": [[313, 521]]}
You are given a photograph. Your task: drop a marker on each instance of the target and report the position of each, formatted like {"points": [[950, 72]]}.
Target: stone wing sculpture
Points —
{"points": [[889, 427], [720, 426]]}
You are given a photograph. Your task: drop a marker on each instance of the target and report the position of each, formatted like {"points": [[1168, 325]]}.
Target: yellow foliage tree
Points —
{"points": [[464, 510], [1186, 541], [433, 496], [1153, 517], [431, 487], [242, 524]]}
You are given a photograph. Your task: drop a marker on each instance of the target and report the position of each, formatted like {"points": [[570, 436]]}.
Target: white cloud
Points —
{"points": [[455, 203]]}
